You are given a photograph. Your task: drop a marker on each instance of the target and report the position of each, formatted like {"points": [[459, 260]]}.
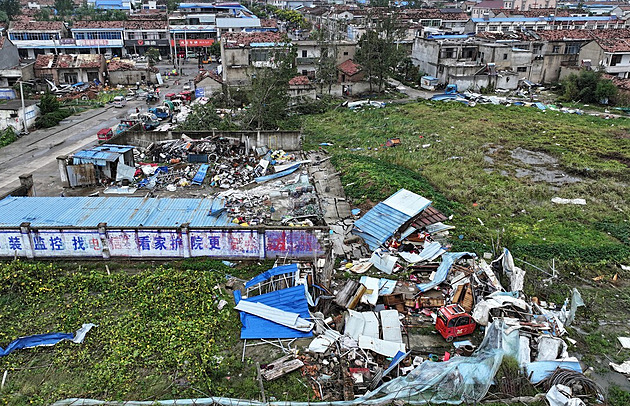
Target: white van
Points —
{"points": [[120, 101]]}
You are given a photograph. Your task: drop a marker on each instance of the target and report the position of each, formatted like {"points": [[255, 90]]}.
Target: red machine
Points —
{"points": [[453, 321], [105, 134], [187, 95]]}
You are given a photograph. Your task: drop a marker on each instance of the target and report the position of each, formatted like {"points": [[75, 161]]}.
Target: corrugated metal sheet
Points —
{"points": [[279, 270], [101, 154], [289, 299], [380, 223], [115, 211]]}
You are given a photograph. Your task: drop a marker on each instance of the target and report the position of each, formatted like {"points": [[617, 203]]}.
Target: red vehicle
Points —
{"points": [[453, 321], [169, 96], [105, 134], [187, 95]]}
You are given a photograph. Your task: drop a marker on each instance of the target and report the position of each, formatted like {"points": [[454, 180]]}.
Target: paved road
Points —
{"points": [[36, 152]]}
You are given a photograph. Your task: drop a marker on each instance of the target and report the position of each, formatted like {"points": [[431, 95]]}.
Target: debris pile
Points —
{"points": [[364, 326]]}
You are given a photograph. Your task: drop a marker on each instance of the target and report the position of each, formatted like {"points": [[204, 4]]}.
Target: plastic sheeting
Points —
{"points": [[495, 300], [461, 379], [430, 252], [48, 339], [448, 260]]}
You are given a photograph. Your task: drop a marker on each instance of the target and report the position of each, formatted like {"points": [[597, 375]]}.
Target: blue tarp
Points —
{"points": [[448, 259], [539, 370], [47, 339], [200, 175], [279, 270], [289, 299], [35, 341], [276, 175]]}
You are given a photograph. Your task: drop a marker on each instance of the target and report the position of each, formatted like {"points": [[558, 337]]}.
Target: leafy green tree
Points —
{"points": [[605, 90], [154, 56], [12, 8], [48, 103], [269, 95], [4, 18], [201, 117], [588, 86], [215, 49], [378, 53], [64, 7], [326, 72]]}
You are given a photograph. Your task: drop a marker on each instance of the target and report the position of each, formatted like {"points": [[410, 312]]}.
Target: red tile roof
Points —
{"points": [[119, 65], [607, 34], [616, 45], [23, 25], [299, 81], [268, 23], [236, 39], [424, 14], [145, 24], [68, 61], [349, 67], [98, 24]]}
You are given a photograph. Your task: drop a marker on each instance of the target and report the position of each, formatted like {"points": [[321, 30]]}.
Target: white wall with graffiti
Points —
{"points": [[225, 243]]}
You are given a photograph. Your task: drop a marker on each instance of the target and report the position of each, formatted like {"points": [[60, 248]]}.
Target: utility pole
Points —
{"points": [[23, 110]]}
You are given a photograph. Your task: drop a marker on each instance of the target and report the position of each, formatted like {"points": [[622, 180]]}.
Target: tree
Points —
{"points": [[378, 52], [64, 7], [154, 56], [588, 87], [48, 103], [269, 95], [327, 67], [12, 8], [4, 18], [201, 117]]}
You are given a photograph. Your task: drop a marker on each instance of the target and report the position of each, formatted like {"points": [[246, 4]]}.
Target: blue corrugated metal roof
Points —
{"points": [[115, 211], [380, 223]]}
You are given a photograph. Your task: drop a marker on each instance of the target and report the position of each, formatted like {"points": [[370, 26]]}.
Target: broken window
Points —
{"points": [[616, 59]]}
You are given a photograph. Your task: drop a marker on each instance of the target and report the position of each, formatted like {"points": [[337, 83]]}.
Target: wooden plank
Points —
{"points": [[281, 367]]}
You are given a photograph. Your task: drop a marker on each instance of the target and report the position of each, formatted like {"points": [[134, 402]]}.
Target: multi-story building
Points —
{"points": [[195, 26], [98, 37], [144, 31], [240, 52], [551, 22], [610, 55], [34, 38], [541, 57], [309, 54]]}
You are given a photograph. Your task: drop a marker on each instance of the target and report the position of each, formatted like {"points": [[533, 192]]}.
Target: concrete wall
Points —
{"points": [[425, 55], [103, 242], [26, 188], [286, 140], [6, 119], [9, 56], [235, 63], [131, 77]]}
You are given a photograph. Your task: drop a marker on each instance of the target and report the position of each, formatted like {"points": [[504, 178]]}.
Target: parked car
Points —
{"points": [[120, 101]]}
